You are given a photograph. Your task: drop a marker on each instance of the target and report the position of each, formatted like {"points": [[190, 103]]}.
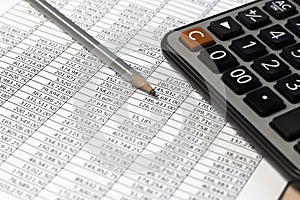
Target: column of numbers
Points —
{"points": [[45, 154], [164, 163]]}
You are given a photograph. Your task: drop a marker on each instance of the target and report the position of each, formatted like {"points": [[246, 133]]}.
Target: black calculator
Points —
{"points": [[247, 61]]}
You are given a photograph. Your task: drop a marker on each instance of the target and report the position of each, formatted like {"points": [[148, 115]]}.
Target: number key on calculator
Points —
{"points": [[254, 51]]}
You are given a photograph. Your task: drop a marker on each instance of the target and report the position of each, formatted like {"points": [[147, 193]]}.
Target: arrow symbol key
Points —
{"points": [[226, 25], [226, 28]]}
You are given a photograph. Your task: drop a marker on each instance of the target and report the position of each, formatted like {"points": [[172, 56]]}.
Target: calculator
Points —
{"points": [[247, 60]]}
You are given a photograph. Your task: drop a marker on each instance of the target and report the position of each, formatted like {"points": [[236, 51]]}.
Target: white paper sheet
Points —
{"points": [[72, 129]]}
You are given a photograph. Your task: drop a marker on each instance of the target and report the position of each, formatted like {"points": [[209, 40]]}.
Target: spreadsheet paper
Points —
{"points": [[71, 128]]}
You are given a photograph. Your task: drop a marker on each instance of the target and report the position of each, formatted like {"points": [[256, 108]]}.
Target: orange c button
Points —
{"points": [[196, 38]]}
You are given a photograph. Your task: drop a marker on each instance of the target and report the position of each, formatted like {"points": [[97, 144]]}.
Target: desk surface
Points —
{"points": [[291, 193]]}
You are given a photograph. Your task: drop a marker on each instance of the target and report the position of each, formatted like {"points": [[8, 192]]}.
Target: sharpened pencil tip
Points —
{"points": [[149, 90], [153, 93]]}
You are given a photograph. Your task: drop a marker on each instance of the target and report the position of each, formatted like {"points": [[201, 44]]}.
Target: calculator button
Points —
{"points": [[280, 9], [287, 125], [226, 28], [290, 87], [297, 147], [292, 55], [276, 37], [297, 1], [218, 59], [253, 18], [241, 80], [196, 38], [248, 48], [264, 102], [294, 25], [271, 67]]}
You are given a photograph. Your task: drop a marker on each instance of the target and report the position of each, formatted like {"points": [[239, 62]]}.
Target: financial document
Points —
{"points": [[71, 128]]}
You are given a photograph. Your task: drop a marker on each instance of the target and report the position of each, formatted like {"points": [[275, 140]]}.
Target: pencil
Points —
{"points": [[95, 47]]}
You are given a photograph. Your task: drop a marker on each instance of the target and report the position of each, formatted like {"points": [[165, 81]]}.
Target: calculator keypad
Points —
{"points": [[276, 37], [256, 55], [292, 55], [196, 38], [218, 59], [294, 25], [253, 18], [271, 67], [248, 48], [287, 125], [241, 80], [280, 9], [253, 48], [290, 87], [264, 102], [226, 28]]}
